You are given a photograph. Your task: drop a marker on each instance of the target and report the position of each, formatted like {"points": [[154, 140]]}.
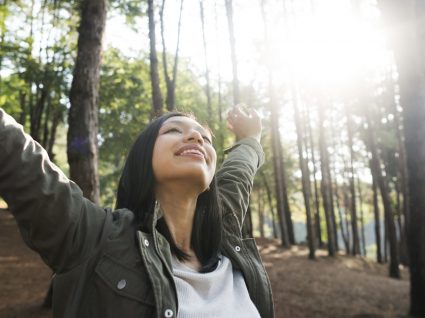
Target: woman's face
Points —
{"points": [[183, 151]]}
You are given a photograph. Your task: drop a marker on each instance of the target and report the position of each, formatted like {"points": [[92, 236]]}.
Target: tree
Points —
{"points": [[326, 185], [407, 43], [377, 217], [265, 183], [353, 207], [170, 81], [157, 102], [82, 147], [376, 170], [305, 177], [207, 69], [277, 156], [229, 11], [312, 158]]}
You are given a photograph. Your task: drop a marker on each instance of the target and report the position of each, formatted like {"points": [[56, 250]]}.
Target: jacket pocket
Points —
{"points": [[125, 281]]}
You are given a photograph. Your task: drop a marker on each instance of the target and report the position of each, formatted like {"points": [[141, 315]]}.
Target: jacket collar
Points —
{"points": [[157, 214]]}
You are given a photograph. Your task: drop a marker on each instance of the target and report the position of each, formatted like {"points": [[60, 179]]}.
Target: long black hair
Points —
{"points": [[136, 193]]}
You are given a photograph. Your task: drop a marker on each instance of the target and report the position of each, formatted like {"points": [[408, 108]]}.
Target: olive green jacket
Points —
{"points": [[105, 266]]}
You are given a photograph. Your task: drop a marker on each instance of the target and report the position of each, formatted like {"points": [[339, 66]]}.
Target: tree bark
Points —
{"points": [[402, 183], [316, 188], [170, 81], [57, 118], [389, 221], [83, 124], [278, 165], [235, 82], [326, 185], [270, 201], [362, 227], [344, 228], [305, 176], [353, 208], [343, 220], [260, 208], [207, 69], [157, 101], [219, 93], [409, 50], [377, 217]]}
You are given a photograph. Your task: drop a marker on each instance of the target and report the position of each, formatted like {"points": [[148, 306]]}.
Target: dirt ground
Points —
{"points": [[328, 287]]}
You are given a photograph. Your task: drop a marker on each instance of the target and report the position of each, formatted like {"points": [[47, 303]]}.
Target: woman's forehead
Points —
{"points": [[186, 121]]}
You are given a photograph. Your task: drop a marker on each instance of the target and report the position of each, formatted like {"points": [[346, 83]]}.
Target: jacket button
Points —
{"points": [[146, 242], [121, 284], [237, 248], [168, 313]]}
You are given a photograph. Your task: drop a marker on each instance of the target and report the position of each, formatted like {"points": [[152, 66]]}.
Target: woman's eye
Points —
{"points": [[207, 139], [172, 130]]}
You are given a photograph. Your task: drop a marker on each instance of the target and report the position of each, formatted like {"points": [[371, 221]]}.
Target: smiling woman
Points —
{"points": [[173, 246]]}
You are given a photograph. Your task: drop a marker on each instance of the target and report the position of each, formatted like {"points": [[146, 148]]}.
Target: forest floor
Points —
{"points": [[327, 287]]}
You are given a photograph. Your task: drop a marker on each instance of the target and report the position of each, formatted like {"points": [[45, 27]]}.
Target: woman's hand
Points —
{"points": [[244, 122]]}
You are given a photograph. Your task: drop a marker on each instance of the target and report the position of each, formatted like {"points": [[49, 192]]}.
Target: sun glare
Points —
{"points": [[330, 49], [328, 46]]}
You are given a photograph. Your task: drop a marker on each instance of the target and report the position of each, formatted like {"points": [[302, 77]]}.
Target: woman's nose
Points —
{"points": [[195, 136]]}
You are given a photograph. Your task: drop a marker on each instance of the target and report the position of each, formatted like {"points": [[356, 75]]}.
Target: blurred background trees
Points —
{"points": [[340, 87]]}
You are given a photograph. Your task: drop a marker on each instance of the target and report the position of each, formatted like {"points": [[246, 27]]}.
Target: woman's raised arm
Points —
{"points": [[236, 175], [53, 217]]}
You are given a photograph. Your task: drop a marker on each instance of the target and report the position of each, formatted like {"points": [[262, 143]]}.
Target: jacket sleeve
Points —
{"points": [[236, 175], [52, 215]]}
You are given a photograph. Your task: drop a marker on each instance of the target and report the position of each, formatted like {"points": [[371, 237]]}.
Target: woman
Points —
{"points": [[174, 245]]}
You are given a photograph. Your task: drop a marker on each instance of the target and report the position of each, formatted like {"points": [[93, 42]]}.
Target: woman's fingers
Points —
{"points": [[253, 113], [244, 121]]}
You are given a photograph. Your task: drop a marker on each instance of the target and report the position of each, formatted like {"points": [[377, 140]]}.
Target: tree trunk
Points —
{"points": [[402, 171], [316, 188], [278, 165], [207, 69], [343, 219], [57, 118], [170, 81], [37, 110], [270, 201], [279, 180], [83, 124], [22, 103], [377, 220], [362, 229], [353, 208], [229, 12], [260, 208], [305, 176], [47, 115], [219, 93], [157, 102], [345, 229], [326, 185], [389, 221], [409, 50], [2, 40]]}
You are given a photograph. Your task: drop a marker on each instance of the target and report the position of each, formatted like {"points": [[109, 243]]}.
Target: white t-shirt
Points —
{"points": [[221, 293]]}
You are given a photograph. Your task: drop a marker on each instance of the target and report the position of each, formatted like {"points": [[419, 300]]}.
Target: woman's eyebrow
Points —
{"points": [[198, 127]]}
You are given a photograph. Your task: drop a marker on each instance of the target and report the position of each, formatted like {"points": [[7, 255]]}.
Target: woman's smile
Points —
{"points": [[192, 151]]}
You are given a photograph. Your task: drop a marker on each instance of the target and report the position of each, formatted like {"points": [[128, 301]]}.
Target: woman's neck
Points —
{"points": [[178, 207]]}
